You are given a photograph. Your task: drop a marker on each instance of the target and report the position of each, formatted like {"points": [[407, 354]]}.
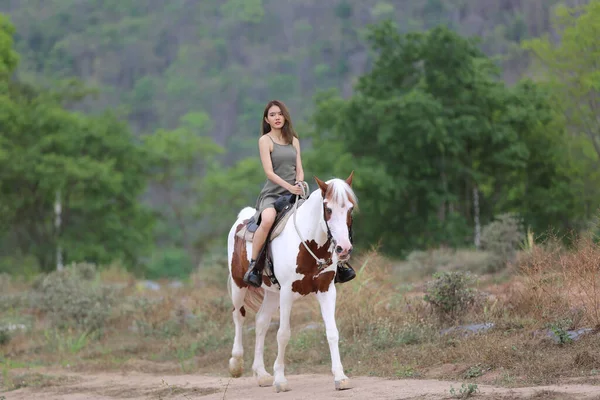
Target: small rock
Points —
{"points": [[573, 335]]}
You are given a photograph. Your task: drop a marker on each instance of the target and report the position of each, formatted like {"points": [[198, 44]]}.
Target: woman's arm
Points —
{"points": [[299, 169], [264, 148]]}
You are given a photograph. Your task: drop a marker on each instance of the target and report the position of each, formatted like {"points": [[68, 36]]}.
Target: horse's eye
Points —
{"points": [[328, 210]]}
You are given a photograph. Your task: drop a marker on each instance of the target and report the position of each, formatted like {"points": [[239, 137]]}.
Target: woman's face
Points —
{"points": [[275, 118]]}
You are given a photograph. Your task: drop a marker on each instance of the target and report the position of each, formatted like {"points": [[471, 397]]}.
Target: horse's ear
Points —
{"points": [[322, 185], [349, 179]]}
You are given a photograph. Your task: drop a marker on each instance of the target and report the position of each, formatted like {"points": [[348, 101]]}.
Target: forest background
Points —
{"points": [[141, 120]]}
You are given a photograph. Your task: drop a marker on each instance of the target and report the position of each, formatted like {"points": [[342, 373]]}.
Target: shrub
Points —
{"points": [[70, 298], [502, 238], [449, 294], [4, 336]]}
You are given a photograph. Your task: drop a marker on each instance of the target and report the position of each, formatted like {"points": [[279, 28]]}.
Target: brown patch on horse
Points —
{"points": [[312, 281], [243, 311], [239, 260], [266, 280]]}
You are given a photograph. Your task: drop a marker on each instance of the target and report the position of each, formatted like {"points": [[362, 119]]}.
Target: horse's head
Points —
{"points": [[339, 202]]}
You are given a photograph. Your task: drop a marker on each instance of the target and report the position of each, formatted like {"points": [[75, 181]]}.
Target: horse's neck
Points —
{"points": [[308, 218]]}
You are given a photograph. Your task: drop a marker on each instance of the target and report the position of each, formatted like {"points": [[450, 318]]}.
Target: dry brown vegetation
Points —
{"points": [[112, 322]]}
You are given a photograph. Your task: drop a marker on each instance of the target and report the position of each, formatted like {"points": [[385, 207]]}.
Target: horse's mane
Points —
{"points": [[339, 191]]}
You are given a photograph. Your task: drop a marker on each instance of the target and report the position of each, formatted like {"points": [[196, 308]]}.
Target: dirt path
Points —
{"points": [[73, 386]]}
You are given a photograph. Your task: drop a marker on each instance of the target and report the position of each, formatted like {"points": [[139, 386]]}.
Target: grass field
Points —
{"points": [[393, 321]]}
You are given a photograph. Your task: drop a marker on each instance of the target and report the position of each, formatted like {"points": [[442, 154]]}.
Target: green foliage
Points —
{"points": [[465, 391], [227, 189], [173, 263], [560, 329], [71, 298], [162, 61], [91, 163], [570, 66], [8, 56], [449, 294], [568, 69], [178, 161], [244, 10], [502, 238], [430, 123]]}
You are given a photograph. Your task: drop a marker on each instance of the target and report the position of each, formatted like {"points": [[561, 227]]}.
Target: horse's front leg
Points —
{"points": [[327, 302], [286, 298]]}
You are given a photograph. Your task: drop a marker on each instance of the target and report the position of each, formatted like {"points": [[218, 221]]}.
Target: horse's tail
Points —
{"points": [[254, 298]]}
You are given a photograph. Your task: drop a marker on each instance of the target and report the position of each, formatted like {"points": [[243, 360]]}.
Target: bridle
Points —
{"points": [[321, 263]]}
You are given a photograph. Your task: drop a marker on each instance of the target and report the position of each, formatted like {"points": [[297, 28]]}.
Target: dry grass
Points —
{"points": [[386, 328], [557, 284]]}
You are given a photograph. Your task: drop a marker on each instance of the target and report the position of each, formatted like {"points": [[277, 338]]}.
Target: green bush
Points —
{"points": [[502, 238], [449, 294], [72, 298]]}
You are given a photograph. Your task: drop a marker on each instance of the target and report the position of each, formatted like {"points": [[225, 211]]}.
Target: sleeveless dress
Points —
{"points": [[283, 158]]}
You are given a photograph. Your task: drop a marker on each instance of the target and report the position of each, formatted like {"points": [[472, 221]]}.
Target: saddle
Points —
{"points": [[282, 207], [264, 261]]}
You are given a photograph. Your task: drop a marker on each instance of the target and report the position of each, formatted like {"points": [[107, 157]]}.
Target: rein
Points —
{"points": [[321, 263]]}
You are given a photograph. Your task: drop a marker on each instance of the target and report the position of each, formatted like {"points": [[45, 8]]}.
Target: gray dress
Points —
{"points": [[283, 158]]}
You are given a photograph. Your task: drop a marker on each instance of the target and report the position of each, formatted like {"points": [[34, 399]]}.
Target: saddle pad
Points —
{"points": [[280, 222]]}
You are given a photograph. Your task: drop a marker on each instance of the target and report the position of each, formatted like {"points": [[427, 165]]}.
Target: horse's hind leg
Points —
{"points": [[263, 320], [236, 362]]}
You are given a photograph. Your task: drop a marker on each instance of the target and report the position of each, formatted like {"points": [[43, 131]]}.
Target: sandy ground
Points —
{"points": [[75, 386]]}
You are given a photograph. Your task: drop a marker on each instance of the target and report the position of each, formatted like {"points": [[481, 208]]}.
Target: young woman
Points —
{"points": [[279, 150]]}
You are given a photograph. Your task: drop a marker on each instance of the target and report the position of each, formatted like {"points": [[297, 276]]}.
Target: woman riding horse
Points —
{"points": [[280, 156]]}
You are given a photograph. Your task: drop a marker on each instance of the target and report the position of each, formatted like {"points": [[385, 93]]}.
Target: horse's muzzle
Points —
{"points": [[343, 253]]}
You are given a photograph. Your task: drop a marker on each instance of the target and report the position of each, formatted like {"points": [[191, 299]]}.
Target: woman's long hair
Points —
{"points": [[287, 130]]}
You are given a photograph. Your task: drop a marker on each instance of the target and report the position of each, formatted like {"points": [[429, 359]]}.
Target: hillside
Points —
{"points": [[157, 62]]}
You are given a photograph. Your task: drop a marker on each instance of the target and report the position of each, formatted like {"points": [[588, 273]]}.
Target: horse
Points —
{"points": [[304, 258]]}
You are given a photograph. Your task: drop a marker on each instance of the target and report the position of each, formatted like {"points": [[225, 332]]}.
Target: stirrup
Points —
{"points": [[252, 276]]}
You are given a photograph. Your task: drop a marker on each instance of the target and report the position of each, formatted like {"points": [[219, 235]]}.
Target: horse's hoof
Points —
{"points": [[281, 387], [236, 367], [266, 380], [343, 384]]}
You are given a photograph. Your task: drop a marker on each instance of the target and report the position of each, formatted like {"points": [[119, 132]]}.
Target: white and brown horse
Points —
{"points": [[321, 229]]}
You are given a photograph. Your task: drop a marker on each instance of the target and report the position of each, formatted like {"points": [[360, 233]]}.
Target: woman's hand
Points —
{"points": [[295, 189]]}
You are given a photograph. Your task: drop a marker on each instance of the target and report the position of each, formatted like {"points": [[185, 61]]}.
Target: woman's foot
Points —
{"points": [[253, 277], [344, 273]]}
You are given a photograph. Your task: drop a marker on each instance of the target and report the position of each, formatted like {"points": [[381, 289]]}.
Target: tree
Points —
{"points": [[570, 66], [8, 56], [430, 124], [92, 162], [196, 195], [179, 160]]}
